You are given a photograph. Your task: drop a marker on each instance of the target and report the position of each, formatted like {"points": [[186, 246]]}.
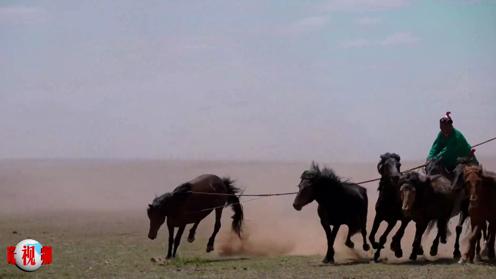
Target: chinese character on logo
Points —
{"points": [[28, 255]]}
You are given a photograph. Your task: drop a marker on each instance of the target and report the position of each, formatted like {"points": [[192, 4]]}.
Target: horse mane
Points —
{"points": [[180, 192], [412, 177], [325, 174], [159, 201], [388, 155]]}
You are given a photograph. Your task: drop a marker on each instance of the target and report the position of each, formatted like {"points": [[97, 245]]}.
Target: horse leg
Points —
{"points": [[469, 253], [484, 238], [192, 231], [435, 243], [331, 236], [459, 227], [384, 236], [365, 245], [375, 227], [417, 243], [396, 243], [177, 240], [473, 243], [490, 242], [348, 242], [441, 232], [211, 240], [383, 239], [171, 240], [478, 249]]}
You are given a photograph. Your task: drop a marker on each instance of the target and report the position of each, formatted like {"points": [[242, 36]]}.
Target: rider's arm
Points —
{"points": [[436, 148]]}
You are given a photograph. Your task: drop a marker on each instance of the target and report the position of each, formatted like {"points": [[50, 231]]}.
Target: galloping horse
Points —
{"points": [[340, 203], [183, 206], [481, 187], [426, 199], [388, 205], [435, 167]]}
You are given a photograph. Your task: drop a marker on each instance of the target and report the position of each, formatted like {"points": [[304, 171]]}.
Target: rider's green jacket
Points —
{"points": [[449, 148]]}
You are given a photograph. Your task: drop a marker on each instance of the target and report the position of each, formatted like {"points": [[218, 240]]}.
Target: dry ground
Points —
{"points": [[93, 215]]}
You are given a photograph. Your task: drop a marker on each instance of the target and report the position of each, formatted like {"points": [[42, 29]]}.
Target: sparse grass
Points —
{"points": [[103, 246]]}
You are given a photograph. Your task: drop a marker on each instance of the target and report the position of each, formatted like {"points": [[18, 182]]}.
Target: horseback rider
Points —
{"points": [[449, 145]]}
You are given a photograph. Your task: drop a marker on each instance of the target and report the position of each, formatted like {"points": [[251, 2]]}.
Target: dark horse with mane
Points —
{"points": [[189, 203], [434, 167], [427, 199], [340, 203], [388, 205]]}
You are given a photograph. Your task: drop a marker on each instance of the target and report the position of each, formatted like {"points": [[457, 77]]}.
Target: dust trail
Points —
{"points": [[253, 243]]}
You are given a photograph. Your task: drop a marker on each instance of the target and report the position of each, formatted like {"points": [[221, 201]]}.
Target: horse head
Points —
{"points": [[157, 211], [306, 187], [411, 185], [389, 167], [473, 180]]}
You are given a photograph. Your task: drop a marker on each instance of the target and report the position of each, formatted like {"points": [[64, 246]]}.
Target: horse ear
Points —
{"points": [[397, 157], [379, 167], [315, 166]]}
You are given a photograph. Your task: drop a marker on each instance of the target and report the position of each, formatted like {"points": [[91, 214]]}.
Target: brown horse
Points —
{"points": [[340, 203], [187, 205], [481, 187], [388, 205], [427, 199]]}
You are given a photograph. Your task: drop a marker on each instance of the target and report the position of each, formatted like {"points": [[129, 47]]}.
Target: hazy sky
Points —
{"points": [[337, 80]]}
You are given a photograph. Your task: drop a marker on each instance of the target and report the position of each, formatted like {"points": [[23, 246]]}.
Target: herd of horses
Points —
{"points": [[428, 199]]}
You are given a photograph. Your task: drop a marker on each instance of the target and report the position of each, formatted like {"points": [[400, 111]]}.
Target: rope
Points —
{"points": [[484, 142], [243, 195], [226, 205], [294, 193]]}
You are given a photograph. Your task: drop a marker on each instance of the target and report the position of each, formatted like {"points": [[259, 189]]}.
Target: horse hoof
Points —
{"points": [[191, 239], [377, 254], [420, 251], [433, 252], [398, 253], [328, 260], [349, 244], [366, 247], [413, 257], [210, 249], [457, 255], [462, 261]]}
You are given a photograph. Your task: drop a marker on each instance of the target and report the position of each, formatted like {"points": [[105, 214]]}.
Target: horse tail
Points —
{"points": [[235, 204]]}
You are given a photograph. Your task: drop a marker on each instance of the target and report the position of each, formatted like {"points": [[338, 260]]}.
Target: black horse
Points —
{"points": [[435, 167], [427, 199], [388, 205], [340, 203], [189, 203]]}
